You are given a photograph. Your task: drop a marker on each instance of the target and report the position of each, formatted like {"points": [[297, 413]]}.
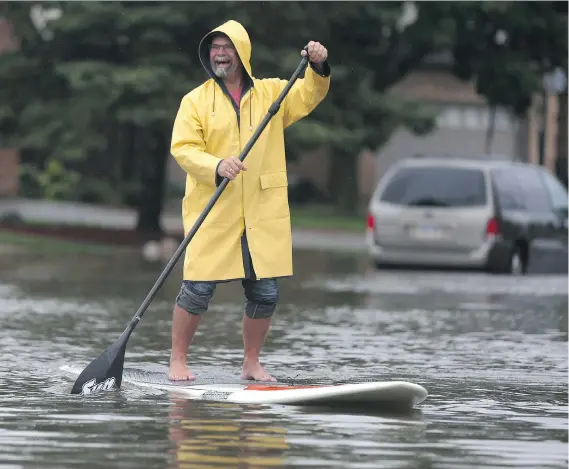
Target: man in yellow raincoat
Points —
{"points": [[247, 234]]}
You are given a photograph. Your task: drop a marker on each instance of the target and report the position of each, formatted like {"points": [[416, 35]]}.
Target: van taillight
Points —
{"points": [[492, 227], [370, 222]]}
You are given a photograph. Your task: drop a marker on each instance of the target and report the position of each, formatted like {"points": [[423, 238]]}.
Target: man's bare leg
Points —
{"points": [[184, 326], [254, 334]]}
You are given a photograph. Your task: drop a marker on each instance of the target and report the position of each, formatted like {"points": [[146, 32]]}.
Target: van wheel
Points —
{"points": [[515, 264], [518, 261]]}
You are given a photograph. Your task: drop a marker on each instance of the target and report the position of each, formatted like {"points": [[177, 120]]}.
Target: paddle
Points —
{"points": [[105, 372]]}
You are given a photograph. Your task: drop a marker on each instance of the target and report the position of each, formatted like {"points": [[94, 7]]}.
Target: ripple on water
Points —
{"points": [[404, 283]]}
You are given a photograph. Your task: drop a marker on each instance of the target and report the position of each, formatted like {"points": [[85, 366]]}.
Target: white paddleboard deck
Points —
{"points": [[388, 394]]}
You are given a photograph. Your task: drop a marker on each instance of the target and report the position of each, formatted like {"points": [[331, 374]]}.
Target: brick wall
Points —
{"points": [[9, 158], [562, 139], [7, 40], [9, 169], [562, 129]]}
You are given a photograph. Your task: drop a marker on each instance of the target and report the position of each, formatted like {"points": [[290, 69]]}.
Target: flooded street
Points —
{"points": [[491, 351]]}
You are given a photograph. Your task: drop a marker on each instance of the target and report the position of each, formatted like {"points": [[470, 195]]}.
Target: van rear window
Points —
{"points": [[436, 186]]}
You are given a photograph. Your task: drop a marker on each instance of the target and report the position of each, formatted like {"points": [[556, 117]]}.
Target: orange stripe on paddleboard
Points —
{"points": [[268, 387]]}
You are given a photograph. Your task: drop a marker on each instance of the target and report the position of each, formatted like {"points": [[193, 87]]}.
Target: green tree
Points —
{"points": [[507, 47], [98, 88]]}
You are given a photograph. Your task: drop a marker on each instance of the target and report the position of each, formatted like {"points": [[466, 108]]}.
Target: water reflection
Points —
{"points": [[228, 436], [223, 436]]}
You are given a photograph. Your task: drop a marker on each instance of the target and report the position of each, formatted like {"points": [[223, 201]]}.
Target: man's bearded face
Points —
{"points": [[223, 57]]}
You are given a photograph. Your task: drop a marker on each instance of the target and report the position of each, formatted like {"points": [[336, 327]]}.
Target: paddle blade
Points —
{"points": [[104, 373]]}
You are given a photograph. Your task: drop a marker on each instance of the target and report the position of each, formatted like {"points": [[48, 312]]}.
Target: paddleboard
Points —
{"points": [[390, 394]]}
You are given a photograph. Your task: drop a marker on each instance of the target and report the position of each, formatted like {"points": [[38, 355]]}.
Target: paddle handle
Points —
{"points": [[162, 278]]}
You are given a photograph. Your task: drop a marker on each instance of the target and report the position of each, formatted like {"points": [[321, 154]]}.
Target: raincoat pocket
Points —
{"points": [[274, 195], [276, 179], [222, 211]]}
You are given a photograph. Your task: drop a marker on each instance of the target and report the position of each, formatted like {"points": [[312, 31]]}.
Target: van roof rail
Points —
{"points": [[474, 156]]}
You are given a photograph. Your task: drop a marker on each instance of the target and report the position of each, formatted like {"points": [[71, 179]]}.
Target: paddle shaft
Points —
{"points": [[162, 278]]}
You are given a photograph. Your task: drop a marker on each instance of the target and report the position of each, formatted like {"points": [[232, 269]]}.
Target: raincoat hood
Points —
{"points": [[240, 39]]}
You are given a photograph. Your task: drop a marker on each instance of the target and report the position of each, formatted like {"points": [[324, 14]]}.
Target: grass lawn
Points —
{"points": [[325, 217], [93, 240], [47, 244]]}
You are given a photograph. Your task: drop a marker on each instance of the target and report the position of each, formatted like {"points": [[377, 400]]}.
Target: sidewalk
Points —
{"points": [[74, 213]]}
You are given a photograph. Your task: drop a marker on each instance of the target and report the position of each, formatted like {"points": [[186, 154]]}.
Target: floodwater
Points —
{"points": [[491, 351]]}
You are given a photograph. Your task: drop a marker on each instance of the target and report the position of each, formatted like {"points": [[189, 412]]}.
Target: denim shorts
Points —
{"points": [[261, 296]]}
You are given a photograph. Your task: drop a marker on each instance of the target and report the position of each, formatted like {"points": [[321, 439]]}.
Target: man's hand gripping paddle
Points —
{"points": [[105, 372]]}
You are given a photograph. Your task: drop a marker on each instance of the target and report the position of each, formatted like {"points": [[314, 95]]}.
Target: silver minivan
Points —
{"points": [[471, 213]]}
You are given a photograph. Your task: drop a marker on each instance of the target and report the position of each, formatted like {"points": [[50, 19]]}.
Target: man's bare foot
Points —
{"points": [[179, 372], [256, 372]]}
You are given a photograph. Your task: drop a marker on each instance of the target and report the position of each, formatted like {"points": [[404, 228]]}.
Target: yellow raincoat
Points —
{"points": [[251, 220]]}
